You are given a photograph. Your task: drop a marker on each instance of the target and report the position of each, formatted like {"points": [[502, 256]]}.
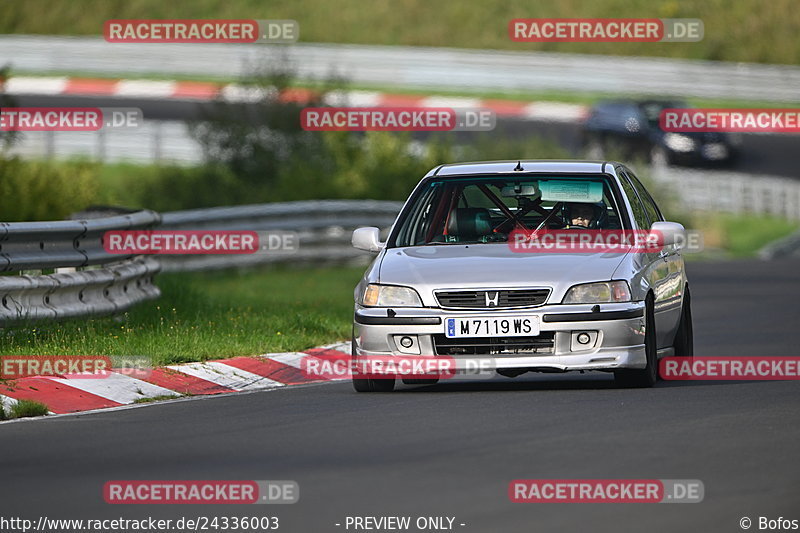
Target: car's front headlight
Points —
{"points": [[390, 296], [598, 293], [678, 142]]}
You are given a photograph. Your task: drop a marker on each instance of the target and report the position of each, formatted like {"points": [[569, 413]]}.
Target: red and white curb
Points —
{"points": [[205, 91], [73, 394]]}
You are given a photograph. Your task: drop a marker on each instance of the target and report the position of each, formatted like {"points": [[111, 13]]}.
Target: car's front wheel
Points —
{"points": [[647, 376], [684, 338], [369, 384]]}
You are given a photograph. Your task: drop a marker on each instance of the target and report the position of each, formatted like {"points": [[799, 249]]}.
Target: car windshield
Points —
{"points": [[486, 209]]}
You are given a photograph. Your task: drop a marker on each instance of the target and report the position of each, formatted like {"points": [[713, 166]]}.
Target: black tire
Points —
{"points": [[684, 337], [647, 376], [412, 381], [362, 385], [369, 384], [373, 385]]}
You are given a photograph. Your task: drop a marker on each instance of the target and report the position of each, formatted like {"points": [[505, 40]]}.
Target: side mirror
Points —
{"points": [[367, 239], [671, 232]]}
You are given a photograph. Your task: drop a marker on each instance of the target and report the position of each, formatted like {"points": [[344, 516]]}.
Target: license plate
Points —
{"points": [[492, 326]]}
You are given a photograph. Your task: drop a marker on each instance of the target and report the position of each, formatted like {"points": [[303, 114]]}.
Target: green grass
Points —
{"points": [[25, 408], [210, 315], [746, 30], [745, 235], [157, 398], [729, 236]]}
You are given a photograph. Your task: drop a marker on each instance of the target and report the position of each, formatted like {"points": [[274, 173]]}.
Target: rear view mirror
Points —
{"points": [[367, 239], [512, 191], [671, 232]]}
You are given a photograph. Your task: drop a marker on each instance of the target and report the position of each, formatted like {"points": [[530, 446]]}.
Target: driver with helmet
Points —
{"points": [[581, 215]]}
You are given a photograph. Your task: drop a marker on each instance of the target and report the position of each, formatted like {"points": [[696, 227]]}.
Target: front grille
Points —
{"points": [[485, 299], [539, 345]]}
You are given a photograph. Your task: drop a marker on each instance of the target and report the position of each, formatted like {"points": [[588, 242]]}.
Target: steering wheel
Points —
{"points": [[497, 236]]}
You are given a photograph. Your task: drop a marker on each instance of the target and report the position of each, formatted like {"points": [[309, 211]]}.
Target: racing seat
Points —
{"points": [[469, 223]]}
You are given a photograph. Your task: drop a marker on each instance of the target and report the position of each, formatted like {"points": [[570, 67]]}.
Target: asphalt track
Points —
{"points": [[760, 154], [452, 449]]}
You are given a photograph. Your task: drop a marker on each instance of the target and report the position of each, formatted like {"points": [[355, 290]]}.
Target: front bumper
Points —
{"points": [[617, 331], [711, 153]]}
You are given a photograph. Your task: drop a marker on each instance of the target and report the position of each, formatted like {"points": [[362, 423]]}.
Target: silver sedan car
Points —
{"points": [[468, 273]]}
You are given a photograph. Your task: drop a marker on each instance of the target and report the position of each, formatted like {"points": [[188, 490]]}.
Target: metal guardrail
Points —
{"points": [[153, 141], [108, 290], [323, 229], [106, 283], [68, 243], [89, 281]]}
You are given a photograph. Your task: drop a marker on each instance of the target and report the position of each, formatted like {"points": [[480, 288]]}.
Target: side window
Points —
{"points": [[649, 204], [614, 220], [639, 213]]}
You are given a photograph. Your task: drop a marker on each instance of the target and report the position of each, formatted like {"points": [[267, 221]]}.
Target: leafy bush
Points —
{"points": [[258, 142], [270, 157], [173, 188], [255, 152], [35, 190]]}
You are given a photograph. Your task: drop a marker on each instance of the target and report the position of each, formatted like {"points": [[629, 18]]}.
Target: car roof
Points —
{"points": [[638, 102], [528, 166]]}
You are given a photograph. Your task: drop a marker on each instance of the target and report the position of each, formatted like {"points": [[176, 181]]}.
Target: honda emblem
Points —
{"points": [[491, 301]]}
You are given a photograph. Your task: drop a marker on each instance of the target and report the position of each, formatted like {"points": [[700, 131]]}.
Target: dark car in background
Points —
{"points": [[629, 128]]}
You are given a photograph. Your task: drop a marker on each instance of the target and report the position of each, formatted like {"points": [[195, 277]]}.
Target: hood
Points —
{"points": [[459, 266]]}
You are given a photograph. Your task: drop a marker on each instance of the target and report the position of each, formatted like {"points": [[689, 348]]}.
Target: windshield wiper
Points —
{"points": [[451, 243]]}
